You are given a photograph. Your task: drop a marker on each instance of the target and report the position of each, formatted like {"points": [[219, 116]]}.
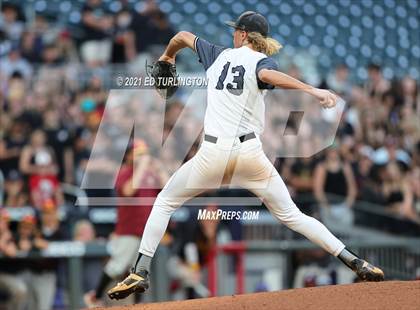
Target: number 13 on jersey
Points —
{"points": [[237, 86]]}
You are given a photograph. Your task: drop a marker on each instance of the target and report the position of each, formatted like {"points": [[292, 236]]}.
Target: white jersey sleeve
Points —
{"points": [[235, 95]]}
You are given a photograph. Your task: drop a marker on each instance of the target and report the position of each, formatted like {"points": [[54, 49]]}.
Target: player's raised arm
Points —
{"points": [[181, 40], [273, 77]]}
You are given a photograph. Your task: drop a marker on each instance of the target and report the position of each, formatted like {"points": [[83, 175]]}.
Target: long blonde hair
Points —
{"points": [[268, 46]]}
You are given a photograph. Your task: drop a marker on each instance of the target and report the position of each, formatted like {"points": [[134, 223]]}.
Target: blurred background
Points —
{"points": [[57, 64]]}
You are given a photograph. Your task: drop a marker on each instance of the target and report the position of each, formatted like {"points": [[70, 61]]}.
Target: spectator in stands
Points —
{"points": [[194, 244], [142, 177], [97, 167], [335, 188], [41, 26], [376, 85], [85, 131], [301, 180], [28, 235], [416, 154], [13, 286], [11, 145], [14, 62], [95, 90], [368, 187], [16, 91], [398, 193], [29, 239], [163, 30], [84, 231], [37, 161], [410, 93], [142, 27], [10, 21], [51, 56], [339, 81], [370, 130], [16, 194], [98, 26], [66, 48], [410, 126], [415, 186], [151, 29], [123, 48], [59, 138], [391, 151], [51, 73], [51, 229], [31, 46], [41, 276]]}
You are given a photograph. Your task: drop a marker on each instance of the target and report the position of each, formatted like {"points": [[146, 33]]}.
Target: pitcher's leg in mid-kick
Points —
{"points": [[263, 179], [204, 170]]}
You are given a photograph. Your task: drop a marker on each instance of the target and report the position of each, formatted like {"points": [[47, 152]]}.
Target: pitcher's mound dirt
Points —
{"points": [[392, 295]]}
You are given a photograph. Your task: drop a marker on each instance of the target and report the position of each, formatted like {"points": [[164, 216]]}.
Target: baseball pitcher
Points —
{"points": [[231, 151]]}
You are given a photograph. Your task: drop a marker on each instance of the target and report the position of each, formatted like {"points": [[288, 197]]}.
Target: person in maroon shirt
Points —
{"points": [[141, 177]]}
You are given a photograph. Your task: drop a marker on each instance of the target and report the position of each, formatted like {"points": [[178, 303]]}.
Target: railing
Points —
{"points": [[234, 248], [369, 216], [68, 189], [75, 252], [399, 257]]}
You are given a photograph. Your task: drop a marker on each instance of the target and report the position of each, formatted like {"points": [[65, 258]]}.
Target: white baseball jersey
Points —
{"points": [[235, 96]]}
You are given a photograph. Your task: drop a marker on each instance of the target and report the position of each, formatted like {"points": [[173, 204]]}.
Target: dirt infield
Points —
{"points": [[392, 295]]}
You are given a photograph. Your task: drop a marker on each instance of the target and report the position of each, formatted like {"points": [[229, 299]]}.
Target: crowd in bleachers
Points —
{"points": [[375, 153], [53, 91]]}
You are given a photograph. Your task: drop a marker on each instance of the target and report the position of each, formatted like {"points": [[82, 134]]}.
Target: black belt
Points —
{"points": [[243, 138]]}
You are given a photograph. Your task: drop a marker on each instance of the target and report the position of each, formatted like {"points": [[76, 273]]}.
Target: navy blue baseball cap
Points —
{"points": [[251, 21]]}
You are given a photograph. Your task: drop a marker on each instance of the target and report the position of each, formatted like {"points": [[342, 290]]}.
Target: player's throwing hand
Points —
{"points": [[327, 99]]}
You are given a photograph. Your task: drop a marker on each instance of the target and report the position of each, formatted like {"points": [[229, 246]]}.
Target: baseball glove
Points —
{"points": [[165, 78]]}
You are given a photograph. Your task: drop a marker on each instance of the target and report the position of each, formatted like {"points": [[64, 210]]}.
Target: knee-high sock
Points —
{"points": [[143, 262]]}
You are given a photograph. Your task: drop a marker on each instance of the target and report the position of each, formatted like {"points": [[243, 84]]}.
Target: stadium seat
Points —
{"points": [[336, 28]]}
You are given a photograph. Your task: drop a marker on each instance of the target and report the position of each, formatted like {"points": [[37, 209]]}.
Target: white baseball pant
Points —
{"points": [[240, 164]]}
